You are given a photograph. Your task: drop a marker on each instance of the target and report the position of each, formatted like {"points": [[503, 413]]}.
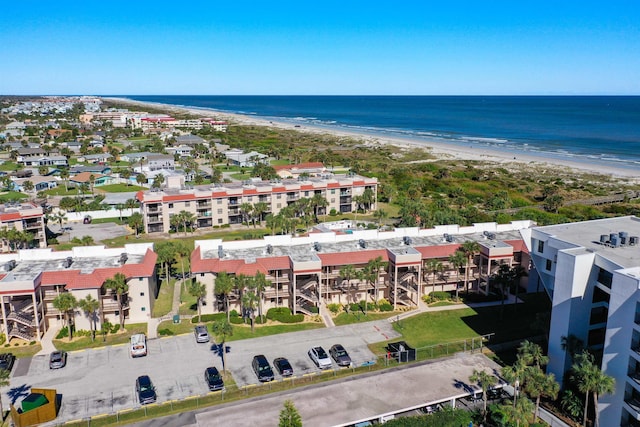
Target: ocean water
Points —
{"points": [[584, 128]]}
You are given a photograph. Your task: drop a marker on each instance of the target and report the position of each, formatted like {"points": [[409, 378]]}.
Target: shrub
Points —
{"points": [[63, 333], [233, 313], [386, 306], [333, 212], [114, 329], [236, 320], [440, 296], [315, 310], [333, 308], [283, 315], [165, 332]]}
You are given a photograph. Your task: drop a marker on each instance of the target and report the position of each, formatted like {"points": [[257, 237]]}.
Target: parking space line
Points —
{"points": [[77, 351], [93, 417], [310, 374]]}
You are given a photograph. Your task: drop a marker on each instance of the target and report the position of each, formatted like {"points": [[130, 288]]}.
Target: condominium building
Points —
{"points": [[30, 280], [591, 270], [305, 271], [220, 205], [22, 216]]}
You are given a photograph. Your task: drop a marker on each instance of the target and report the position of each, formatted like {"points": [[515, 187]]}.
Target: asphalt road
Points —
{"points": [[102, 381]]}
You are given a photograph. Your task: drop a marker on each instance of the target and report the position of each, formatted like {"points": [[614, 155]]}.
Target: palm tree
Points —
{"points": [[66, 303], [485, 381], [469, 248], [572, 345], [590, 379], [502, 278], [250, 301], [375, 265], [245, 209], [517, 273], [261, 283], [457, 259], [120, 207], [222, 329], [90, 306], [258, 211], [118, 284], [318, 201], [434, 266], [347, 273], [187, 218], [540, 384], [59, 217], [136, 221], [199, 291], [64, 174], [515, 375], [532, 354], [223, 286]]}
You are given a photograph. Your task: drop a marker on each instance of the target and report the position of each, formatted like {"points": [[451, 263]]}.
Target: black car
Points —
{"points": [[283, 366], [57, 360], [340, 355], [262, 368], [6, 361], [146, 391], [213, 379]]}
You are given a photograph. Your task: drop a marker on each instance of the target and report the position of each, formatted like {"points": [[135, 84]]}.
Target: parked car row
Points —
{"points": [[147, 392]]}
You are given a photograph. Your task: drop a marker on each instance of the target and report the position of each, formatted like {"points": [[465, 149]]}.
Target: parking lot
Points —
{"points": [[100, 381]]}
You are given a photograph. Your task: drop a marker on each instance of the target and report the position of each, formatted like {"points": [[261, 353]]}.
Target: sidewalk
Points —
{"points": [[47, 342], [154, 322]]}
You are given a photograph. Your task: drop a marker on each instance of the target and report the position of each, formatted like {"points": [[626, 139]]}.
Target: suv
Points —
{"points": [[6, 361], [213, 379], [262, 368], [201, 334], [340, 355], [146, 391], [320, 358]]}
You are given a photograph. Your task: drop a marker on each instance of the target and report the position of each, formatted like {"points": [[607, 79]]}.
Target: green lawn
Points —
{"points": [[188, 302], [349, 318], [61, 191], [12, 195], [455, 325], [241, 332], [111, 339], [184, 327], [120, 188], [8, 166], [21, 350], [225, 234], [164, 301]]}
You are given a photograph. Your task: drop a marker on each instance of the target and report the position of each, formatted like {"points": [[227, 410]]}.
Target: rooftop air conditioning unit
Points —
{"points": [[362, 244], [406, 240], [220, 252]]}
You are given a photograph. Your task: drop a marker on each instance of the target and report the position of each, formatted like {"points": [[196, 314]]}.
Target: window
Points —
{"points": [[219, 211], [333, 200], [333, 191], [540, 246], [170, 205], [605, 277], [143, 308], [219, 220], [306, 194], [201, 274], [249, 198], [548, 266], [279, 205], [187, 204], [219, 201], [141, 294]]}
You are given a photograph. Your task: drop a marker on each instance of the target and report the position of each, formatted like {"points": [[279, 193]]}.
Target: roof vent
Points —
{"points": [[615, 240], [10, 265], [633, 240], [624, 237], [604, 238]]}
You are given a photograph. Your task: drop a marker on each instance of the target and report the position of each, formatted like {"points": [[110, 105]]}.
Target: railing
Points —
{"points": [[28, 225], [23, 318], [15, 332], [114, 305], [155, 209], [154, 219]]}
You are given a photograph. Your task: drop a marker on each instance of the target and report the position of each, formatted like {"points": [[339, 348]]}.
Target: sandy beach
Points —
{"points": [[439, 149]]}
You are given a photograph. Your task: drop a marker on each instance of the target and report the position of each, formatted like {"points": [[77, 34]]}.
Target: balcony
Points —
{"points": [[111, 305], [203, 205], [154, 219], [204, 214], [32, 225], [154, 209]]}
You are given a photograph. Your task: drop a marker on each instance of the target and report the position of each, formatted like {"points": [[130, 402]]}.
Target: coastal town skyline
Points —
{"points": [[344, 49]]}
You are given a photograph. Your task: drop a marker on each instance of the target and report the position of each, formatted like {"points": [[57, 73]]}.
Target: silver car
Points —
{"points": [[201, 334], [320, 358], [57, 360]]}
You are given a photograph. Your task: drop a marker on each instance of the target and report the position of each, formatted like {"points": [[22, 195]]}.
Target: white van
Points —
{"points": [[138, 345]]}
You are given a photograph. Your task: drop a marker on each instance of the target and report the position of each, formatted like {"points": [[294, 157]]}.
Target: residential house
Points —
{"points": [[239, 158], [86, 177], [181, 151], [294, 171], [95, 158], [160, 161]]}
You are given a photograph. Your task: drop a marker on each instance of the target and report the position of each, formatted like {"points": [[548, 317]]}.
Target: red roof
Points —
{"points": [[518, 245], [11, 216], [356, 257], [308, 165], [438, 251]]}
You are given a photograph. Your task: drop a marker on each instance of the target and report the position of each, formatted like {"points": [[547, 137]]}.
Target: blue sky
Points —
{"points": [[329, 47]]}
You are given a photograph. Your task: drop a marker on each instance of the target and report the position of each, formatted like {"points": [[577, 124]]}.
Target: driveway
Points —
{"points": [[99, 381]]}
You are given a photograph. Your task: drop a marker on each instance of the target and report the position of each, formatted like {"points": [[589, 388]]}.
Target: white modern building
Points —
{"points": [[591, 270]]}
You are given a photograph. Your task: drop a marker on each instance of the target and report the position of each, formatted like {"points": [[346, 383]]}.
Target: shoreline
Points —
{"points": [[440, 149]]}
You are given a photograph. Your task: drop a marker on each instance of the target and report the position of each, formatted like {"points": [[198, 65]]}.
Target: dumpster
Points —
{"points": [[176, 318], [401, 351]]}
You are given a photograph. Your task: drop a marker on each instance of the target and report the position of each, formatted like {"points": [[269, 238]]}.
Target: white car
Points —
{"points": [[320, 357]]}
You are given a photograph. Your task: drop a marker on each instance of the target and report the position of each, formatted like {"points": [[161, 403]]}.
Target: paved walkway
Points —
{"points": [[154, 322], [47, 342]]}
